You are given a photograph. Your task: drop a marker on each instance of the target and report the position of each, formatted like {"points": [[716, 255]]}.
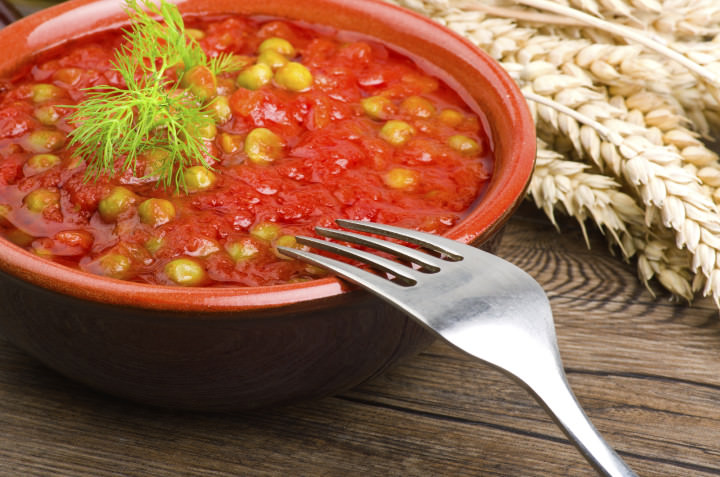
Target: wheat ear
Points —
{"points": [[655, 170]]}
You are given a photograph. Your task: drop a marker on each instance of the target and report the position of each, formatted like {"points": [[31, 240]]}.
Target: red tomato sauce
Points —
{"points": [[334, 160]]}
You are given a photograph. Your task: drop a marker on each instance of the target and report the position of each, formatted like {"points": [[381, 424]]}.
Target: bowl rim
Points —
{"points": [[497, 204]]}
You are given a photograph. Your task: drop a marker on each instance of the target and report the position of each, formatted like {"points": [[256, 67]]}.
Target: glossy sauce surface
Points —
{"points": [[373, 137]]}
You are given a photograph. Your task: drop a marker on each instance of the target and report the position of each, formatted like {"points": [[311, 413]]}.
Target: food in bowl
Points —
{"points": [[183, 155], [239, 347]]}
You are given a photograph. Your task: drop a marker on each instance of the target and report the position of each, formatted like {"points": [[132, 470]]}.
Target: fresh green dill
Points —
{"points": [[132, 122], [152, 112], [225, 63]]}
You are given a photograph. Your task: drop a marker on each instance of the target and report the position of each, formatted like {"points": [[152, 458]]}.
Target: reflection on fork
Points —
{"points": [[477, 302]]}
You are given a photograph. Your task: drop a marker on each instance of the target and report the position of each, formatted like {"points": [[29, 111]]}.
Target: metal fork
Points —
{"points": [[481, 304]]}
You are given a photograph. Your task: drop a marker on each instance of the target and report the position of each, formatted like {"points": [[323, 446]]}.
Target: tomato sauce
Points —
{"points": [[374, 137]]}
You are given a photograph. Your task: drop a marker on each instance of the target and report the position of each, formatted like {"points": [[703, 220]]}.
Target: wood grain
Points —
{"points": [[646, 370]]}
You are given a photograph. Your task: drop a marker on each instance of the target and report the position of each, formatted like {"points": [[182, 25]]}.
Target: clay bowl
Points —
{"points": [[238, 348]]}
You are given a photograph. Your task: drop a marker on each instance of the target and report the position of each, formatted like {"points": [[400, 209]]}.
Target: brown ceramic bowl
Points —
{"points": [[236, 348]]}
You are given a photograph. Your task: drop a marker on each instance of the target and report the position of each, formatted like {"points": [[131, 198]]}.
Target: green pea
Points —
{"points": [[279, 45], [294, 77], [43, 92], [219, 109], [115, 265], [42, 162], [45, 140], [272, 58], [200, 81], [199, 178], [153, 244], [263, 146], [40, 199], [48, 115], [265, 230], [119, 201], [417, 106], [450, 117], [68, 75], [285, 241], [154, 160], [241, 250], [231, 143], [397, 132], [185, 272], [377, 107], [207, 131], [401, 178], [195, 34], [255, 76], [40, 248], [315, 271], [464, 144], [156, 211]]}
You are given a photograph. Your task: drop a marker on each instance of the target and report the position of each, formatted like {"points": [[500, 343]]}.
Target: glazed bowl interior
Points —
{"points": [[481, 82]]}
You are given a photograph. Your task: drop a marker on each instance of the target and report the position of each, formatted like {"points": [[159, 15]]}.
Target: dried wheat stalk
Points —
{"points": [[559, 183], [664, 181], [701, 104], [564, 185], [672, 19], [649, 146], [637, 36]]}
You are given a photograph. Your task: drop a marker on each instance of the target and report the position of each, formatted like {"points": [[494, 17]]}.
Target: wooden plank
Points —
{"points": [[645, 370]]}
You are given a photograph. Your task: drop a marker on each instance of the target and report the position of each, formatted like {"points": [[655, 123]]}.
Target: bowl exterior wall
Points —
{"points": [[206, 361]]}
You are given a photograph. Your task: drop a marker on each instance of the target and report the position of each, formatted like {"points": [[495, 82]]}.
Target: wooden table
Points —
{"points": [[646, 370]]}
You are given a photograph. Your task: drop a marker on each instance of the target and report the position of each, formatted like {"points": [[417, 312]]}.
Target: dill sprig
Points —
{"points": [[152, 112], [132, 122], [225, 63]]}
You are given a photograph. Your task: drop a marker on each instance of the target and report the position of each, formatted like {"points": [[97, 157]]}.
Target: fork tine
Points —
{"points": [[358, 276], [390, 266], [429, 262], [436, 243]]}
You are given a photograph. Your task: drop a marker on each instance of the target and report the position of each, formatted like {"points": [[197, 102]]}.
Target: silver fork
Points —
{"points": [[481, 304]]}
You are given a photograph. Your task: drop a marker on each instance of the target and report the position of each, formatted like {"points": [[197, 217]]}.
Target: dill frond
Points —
{"points": [[152, 112], [225, 63]]}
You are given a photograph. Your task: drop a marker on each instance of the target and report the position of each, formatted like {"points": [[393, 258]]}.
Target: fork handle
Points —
{"points": [[555, 395]]}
